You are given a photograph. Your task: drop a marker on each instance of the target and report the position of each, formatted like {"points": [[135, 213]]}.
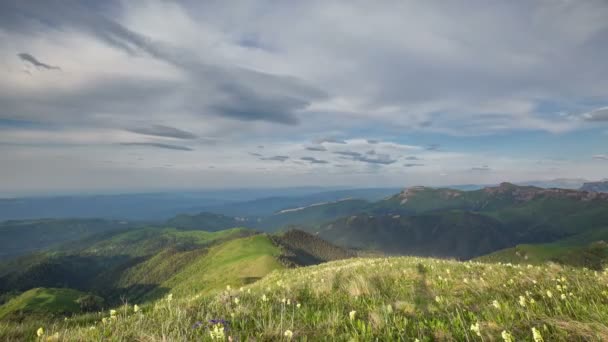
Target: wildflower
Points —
{"points": [[135, 308], [475, 328], [496, 304], [40, 332], [288, 301], [288, 334], [506, 336], [248, 291], [352, 314], [389, 309], [522, 301], [112, 312], [236, 300], [284, 300], [169, 297], [532, 301], [549, 294], [563, 296], [438, 299], [264, 298], [536, 335], [298, 305], [104, 320], [217, 332], [228, 288]]}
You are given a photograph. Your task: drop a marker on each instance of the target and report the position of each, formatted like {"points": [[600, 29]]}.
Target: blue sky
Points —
{"points": [[107, 96]]}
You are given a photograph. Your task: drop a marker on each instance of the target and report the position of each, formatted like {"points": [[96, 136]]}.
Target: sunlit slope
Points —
{"points": [[237, 262], [386, 299], [584, 250], [42, 301]]}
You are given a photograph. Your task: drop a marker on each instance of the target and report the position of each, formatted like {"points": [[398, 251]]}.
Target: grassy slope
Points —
{"points": [[43, 301], [236, 262], [585, 250], [391, 299]]}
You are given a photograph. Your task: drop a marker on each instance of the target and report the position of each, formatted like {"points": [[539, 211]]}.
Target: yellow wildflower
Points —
{"points": [[40, 332], [288, 334], [352, 314], [475, 328], [506, 336], [536, 335], [135, 308]]}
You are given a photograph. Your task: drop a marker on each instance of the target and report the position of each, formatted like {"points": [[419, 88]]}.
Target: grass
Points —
{"points": [[364, 299], [41, 301]]}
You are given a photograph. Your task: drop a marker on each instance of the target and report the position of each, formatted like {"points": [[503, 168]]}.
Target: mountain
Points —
{"points": [[208, 221], [361, 299], [601, 186], [461, 224], [23, 237], [454, 234], [562, 183], [41, 302], [146, 263]]}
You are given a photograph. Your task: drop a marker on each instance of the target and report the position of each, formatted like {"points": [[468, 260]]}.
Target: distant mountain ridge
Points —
{"points": [[601, 186]]}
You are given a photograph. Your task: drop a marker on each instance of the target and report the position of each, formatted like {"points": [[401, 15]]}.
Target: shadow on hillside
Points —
{"points": [[422, 295]]}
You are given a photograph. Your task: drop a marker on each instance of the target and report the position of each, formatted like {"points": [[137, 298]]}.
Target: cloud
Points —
{"points": [[432, 147], [483, 168], [348, 153], [600, 157], [276, 158], [365, 158], [26, 57], [163, 131], [412, 158], [412, 165], [314, 160], [158, 145], [600, 114], [255, 154], [319, 148], [329, 140], [372, 141]]}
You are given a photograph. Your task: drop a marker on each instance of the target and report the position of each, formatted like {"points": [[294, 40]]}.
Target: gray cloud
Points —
{"points": [[483, 168], [319, 148], [600, 114], [432, 147], [412, 158], [35, 62], [158, 145], [276, 158], [412, 165], [163, 131], [375, 159], [348, 153], [255, 154], [372, 141], [313, 160], [600, 157], [329, 140], [240, 93]]}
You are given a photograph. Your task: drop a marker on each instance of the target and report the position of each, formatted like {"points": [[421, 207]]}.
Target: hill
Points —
{"points": [[41, 302], [301, 248], [454, 234], [583, 250], [601, 186], [209, 222], [385, 299], [23, 237]]}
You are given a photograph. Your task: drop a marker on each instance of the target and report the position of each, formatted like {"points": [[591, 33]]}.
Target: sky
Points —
{"points": [[145, 95]]}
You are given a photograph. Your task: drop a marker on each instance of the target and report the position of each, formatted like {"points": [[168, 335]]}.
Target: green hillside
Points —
{"points": [[22, 237], [384, 299], [42, 302], [583, 250], [208, 221], [455, 234]]}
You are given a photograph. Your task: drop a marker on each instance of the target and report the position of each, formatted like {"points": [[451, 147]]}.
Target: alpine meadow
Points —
{"points": [[255, 170]]}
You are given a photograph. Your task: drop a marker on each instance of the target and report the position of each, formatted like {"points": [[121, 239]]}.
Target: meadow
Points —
{"points": [[362, 299]]}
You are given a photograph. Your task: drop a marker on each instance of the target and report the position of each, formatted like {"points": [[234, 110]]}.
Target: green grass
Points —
{"points": [[584, 250], [384, 299], [41, 301], [235, 262]]}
